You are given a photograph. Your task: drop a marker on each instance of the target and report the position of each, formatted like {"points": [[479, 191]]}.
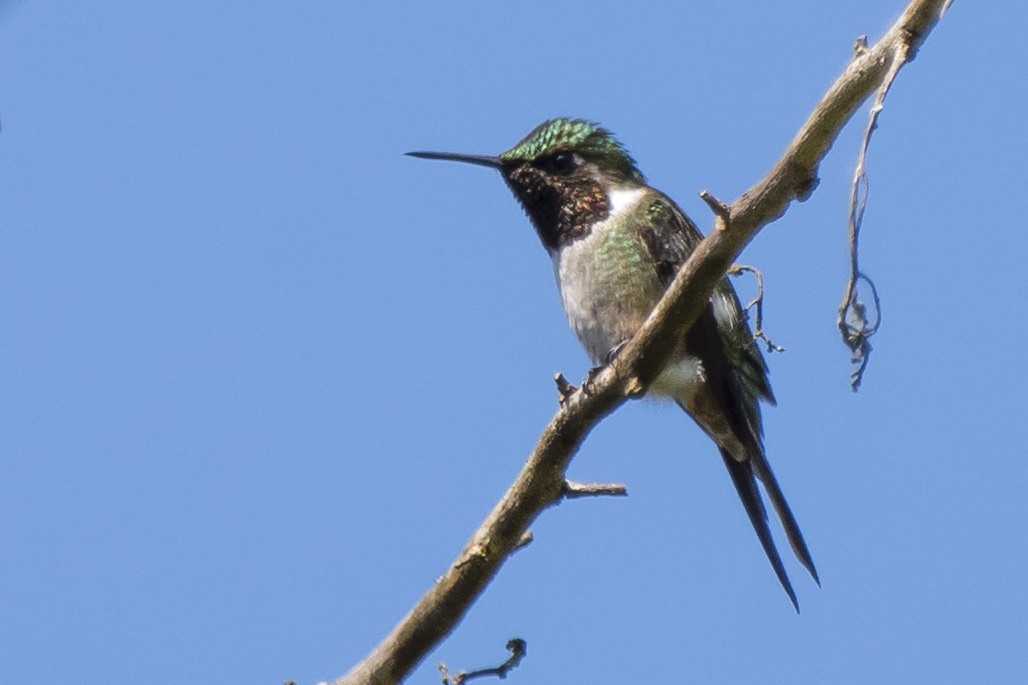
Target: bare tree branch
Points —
{"points": [[541, 482], [517, 647], [757, 305], [852, 320], [573, 490]]}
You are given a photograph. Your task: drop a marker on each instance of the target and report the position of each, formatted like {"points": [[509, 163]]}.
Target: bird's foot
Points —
{"points": [[615, 351], [590, 378]]}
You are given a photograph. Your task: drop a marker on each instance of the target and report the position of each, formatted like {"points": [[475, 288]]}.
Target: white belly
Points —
{"points": [[606, 300]]}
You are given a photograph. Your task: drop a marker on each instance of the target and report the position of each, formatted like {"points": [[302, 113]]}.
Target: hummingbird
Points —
{"points": [[616, 244]]}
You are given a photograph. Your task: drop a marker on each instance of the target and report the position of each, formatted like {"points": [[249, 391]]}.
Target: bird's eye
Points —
{"points": [[563, 162]]}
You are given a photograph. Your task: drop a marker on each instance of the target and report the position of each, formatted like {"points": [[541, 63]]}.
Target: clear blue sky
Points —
{"points": [[262, 375]]}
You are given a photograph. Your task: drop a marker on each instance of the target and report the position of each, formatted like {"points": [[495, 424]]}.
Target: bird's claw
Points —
{"points": [[615, 351], [590, 378]]}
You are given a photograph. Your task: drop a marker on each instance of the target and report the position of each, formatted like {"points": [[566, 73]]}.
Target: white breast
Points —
{"points": [[585, 283], [600, 315]]}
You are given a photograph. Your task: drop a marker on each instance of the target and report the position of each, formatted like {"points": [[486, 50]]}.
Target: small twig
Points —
{"points": [[564, 388], [756, 304], [574, 490], [524, 541], [722, 211], [517, 647], [852, 318]]}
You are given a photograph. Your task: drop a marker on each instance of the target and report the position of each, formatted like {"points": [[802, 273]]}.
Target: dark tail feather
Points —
{"points": [[792, 529], [746, 485]]}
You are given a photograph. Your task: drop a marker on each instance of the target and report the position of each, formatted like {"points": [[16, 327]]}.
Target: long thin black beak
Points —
{"points": [[480, 160]]}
